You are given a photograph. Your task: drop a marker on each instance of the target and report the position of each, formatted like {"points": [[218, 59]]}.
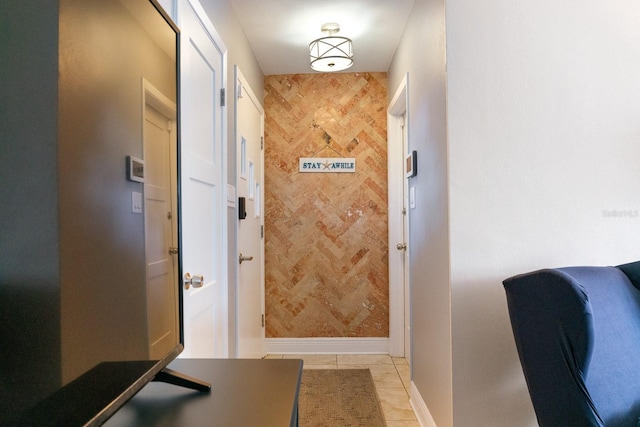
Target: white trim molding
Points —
{"points": [[420, 408], [327, 345]]}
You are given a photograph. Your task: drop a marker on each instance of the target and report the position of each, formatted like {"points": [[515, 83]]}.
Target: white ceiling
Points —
{"points": [[279, 31]]}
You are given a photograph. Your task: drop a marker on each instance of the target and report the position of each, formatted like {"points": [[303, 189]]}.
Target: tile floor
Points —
{"points": [[390, 374]]}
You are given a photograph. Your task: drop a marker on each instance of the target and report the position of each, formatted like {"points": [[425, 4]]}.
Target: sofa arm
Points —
{"points": [[552, 324]]}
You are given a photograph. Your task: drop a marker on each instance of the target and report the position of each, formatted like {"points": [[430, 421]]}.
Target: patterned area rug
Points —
{"points": [[339, 398]]}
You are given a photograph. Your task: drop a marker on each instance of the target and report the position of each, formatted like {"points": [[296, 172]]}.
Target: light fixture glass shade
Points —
{"points": [[331, 54]]}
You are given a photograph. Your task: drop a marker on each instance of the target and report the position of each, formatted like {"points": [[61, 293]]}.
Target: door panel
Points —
{"points": [[202, 177], [159, 234], [249, 133], [399, 227]]}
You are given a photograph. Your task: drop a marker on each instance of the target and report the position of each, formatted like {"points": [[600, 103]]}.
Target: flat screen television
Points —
{"points": [[83, 326]]}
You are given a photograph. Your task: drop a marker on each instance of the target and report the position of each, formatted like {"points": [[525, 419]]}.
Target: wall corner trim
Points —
{"points": [[327, 345], [420, 408]]}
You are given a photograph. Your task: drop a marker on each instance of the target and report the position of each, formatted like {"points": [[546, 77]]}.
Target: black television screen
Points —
{"points": [[89, 293]]}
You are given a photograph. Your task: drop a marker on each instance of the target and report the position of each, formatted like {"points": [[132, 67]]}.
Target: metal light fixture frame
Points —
{"points": [[331, 53]]}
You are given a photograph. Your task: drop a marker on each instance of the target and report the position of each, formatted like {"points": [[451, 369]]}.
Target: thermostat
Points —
{"points": [[135, 169]]}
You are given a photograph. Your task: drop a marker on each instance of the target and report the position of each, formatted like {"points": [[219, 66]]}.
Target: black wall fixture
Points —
{"points": [[242, 211]]}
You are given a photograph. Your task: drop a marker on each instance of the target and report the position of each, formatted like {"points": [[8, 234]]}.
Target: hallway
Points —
{"points": [[390, 374]]}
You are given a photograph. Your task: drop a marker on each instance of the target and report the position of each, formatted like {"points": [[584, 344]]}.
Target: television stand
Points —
{"points": [[246, 392], [170, 376]]}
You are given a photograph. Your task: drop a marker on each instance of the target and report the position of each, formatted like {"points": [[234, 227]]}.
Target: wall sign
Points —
{"points": [[327, 164]]}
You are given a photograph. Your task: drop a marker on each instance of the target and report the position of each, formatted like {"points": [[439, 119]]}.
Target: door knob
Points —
{"points": [[245, 258], [197, 281], [401, 246], [173, 251]]}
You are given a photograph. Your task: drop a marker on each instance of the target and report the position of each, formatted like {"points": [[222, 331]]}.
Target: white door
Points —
{"points": [[399, 235], [203, 172], [250, 292], [160, 196]]}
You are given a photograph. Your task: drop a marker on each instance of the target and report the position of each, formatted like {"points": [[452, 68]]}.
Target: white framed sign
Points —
{"points": [[327, 164]]}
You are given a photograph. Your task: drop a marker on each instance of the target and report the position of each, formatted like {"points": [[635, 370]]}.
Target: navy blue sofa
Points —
{"points": [[577, 331]]}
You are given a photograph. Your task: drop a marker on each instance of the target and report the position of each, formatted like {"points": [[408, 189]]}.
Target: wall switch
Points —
{"points": [[136, 202], [231, 196], [412, 197]]}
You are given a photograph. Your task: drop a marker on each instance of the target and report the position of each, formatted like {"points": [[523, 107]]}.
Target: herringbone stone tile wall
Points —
{"points": [[326, 238]]}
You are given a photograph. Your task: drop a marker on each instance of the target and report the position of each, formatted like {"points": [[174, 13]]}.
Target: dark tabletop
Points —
{"points": [[244, 393]]}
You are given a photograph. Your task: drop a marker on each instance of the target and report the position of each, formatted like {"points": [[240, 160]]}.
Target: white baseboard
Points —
{"points": [[420, 408], [327, 345]]}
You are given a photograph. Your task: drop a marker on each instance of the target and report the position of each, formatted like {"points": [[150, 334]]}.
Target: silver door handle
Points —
{"points": [[197, 281], [401, 246], [245, 258]]}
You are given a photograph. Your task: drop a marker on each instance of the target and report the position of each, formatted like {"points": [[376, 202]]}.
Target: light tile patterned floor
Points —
{"points": [[390, 374]]}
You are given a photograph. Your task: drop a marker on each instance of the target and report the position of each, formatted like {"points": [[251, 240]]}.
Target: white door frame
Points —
{"points": [[397, 115]]}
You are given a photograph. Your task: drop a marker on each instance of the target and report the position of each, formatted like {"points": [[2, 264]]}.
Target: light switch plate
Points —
{"points": [[231, 196], [136, 202], [412, 197]]}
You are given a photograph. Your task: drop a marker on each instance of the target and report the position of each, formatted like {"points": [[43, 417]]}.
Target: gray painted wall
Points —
{"points": [[539, 161], [421, 54], [543, 108]]}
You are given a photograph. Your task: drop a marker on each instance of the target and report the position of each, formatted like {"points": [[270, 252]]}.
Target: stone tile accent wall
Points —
{"points": [[326, 235]]}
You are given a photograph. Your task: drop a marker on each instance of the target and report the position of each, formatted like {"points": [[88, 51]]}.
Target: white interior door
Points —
{"points": [[399, 235], [203, 171], [160, 196], [250, 292]]}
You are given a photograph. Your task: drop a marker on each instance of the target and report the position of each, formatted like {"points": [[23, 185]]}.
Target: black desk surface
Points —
{"points": [[244, 393]]}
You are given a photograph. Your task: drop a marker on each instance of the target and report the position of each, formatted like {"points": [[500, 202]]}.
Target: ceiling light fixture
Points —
{"points": [[331, 53]]}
